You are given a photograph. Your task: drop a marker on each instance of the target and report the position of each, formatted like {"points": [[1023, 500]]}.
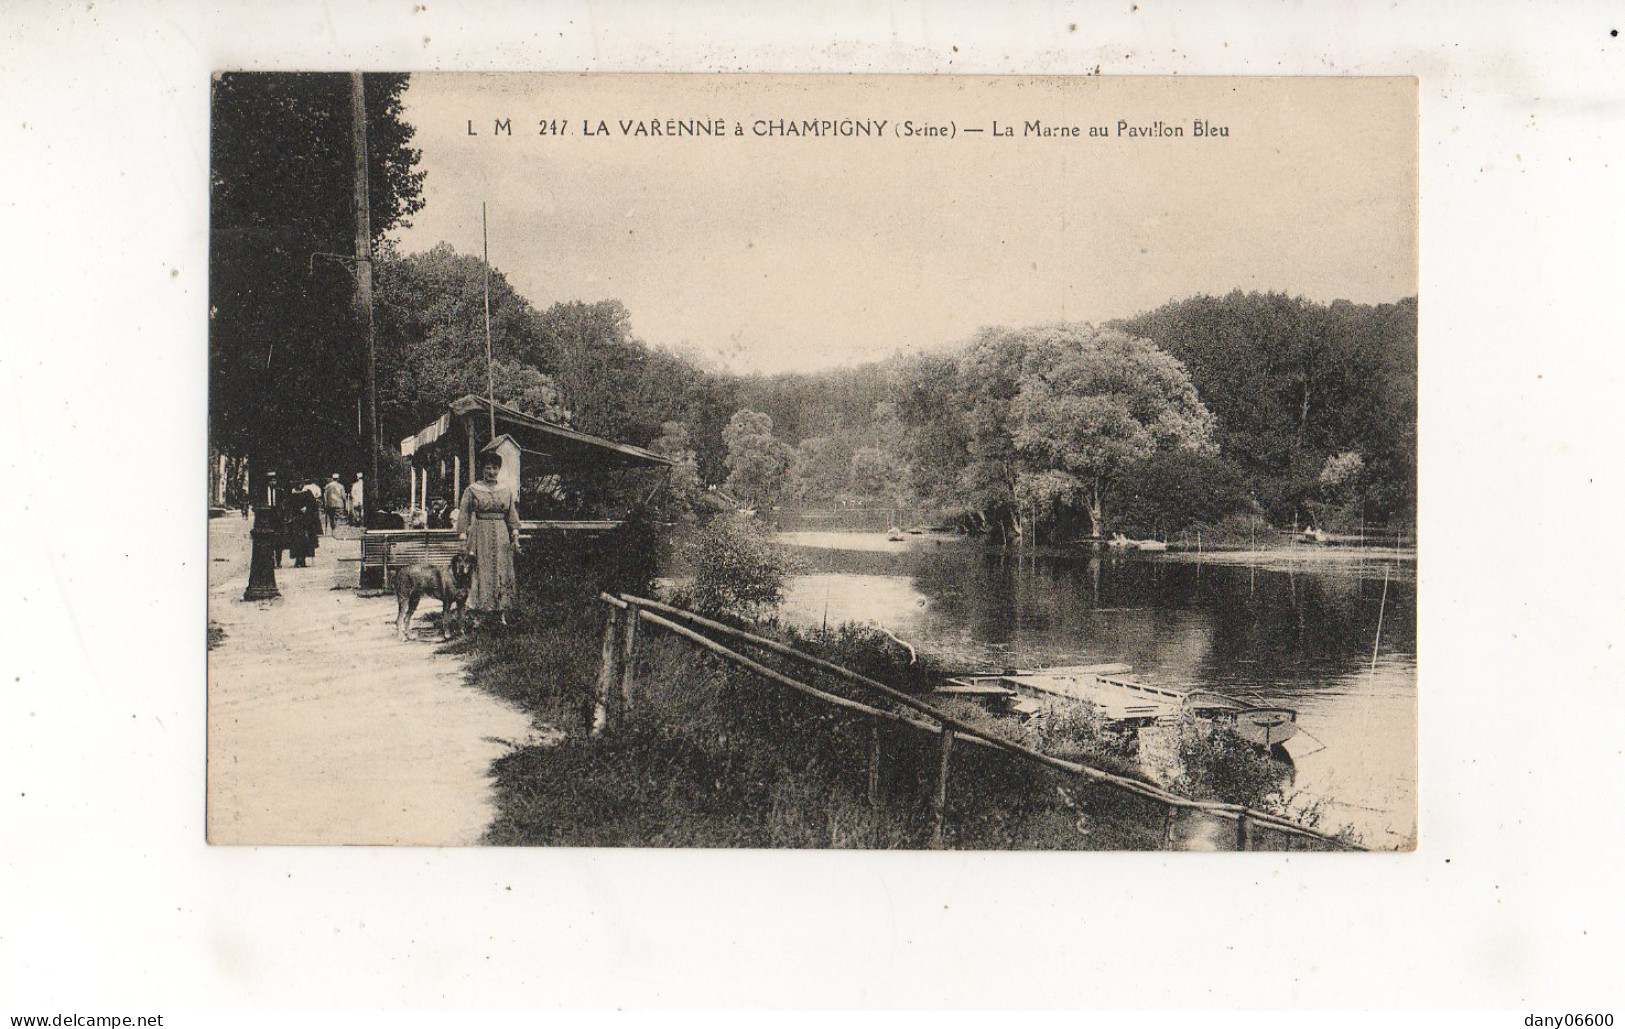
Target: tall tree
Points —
{"points": [[432, 341], [936, 436], [286, 357], [990, 376], [683, 496], [1090, 403], [589, 348], [820, 468], [756, 461]]}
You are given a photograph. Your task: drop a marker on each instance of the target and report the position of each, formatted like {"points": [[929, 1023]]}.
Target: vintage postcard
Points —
{"points": [[812, 461]]}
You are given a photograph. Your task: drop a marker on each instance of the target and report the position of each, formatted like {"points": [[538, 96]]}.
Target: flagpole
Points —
{"points": [[490, 376]]}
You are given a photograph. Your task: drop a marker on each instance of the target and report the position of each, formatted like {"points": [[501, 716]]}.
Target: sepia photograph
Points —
{"points": [[864, 462], [897, 507]]}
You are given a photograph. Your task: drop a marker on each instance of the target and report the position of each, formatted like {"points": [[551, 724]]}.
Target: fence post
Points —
{"points": [[939, 801], [1244, 832], [874, 763], [607, 674], [627, 685]]}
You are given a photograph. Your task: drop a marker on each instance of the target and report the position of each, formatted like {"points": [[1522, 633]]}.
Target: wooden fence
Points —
{"points": [[617, 691]]}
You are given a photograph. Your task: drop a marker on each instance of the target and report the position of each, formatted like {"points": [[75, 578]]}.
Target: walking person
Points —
{"points": [[335, 501], [488, 524], [357, 495]]}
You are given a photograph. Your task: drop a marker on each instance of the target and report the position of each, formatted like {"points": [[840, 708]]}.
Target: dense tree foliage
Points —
{"points": [[829, 403], [1248, 404], [737, 569], [572, 362], [820, 469], [1174, 490], [1293, 383], [1311, 409], [286, 351], [684, 498], [756, 461], [431, 329], [1091, 403]]}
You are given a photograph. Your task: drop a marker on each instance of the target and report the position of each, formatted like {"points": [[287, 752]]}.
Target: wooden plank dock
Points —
{"points": [[1108, 690]]}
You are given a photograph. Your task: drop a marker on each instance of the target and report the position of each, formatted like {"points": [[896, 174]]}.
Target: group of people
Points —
{"points": [[486, 519], [305, 509]]}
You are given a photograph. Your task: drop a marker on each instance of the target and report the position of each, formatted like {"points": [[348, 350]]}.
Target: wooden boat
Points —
{"points": [[1122, 541], [1263, 727], [1124, 701]]}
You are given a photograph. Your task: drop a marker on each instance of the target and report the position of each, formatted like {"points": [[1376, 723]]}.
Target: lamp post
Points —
{"points": [[267, 539]]}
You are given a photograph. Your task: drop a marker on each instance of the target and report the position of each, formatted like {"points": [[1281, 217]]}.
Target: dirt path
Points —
{"points": [[325, 729]]}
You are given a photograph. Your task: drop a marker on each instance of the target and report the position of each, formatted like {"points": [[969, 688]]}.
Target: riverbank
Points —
{"points": [[713, 755], [717, 757], [1235, 553]]}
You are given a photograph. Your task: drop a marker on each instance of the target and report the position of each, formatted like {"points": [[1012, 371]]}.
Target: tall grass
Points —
{"points": [[716, 757]]}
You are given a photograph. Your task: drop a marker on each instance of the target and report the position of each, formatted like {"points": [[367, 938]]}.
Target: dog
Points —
{"points": [[450, 586]]}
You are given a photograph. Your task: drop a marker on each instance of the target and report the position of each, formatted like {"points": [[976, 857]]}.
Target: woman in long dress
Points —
{"points": [[488, 524]]}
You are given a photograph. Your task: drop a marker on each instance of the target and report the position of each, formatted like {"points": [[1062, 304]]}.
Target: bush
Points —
{"points": [[1218, 764], [1075, 732], [737, 569]]}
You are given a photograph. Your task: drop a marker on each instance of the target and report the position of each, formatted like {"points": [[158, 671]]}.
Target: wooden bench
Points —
{"points": [[384, 551]]}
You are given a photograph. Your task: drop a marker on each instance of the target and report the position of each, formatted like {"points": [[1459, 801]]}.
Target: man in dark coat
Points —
{"points": [[301, 524], [439, 514]]}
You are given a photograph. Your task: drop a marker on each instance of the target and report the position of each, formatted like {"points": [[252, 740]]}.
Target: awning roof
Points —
{"points": [[557, 448]]}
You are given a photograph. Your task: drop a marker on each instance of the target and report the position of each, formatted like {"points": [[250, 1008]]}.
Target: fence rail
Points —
{"points": [[617, 687]]}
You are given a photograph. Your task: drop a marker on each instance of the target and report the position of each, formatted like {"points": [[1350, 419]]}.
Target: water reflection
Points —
{"points": [[1301, 635]]}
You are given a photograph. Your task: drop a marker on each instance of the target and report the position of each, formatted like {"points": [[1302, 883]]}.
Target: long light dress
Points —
{"points": [[488, 521]]}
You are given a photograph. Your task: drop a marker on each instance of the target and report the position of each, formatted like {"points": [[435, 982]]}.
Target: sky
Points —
{"points": [[761, 250]]}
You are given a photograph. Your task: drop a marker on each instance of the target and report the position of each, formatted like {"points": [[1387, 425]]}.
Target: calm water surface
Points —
{"points": [[1299, 633]]}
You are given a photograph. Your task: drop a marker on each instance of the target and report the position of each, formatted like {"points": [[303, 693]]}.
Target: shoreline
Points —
{"points": [[858, 540]]}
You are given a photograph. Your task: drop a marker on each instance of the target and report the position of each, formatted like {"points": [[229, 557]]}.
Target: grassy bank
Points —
{"points": [[715, 756]]}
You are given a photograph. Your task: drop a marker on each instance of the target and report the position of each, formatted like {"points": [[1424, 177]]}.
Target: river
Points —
{"points": [[1279, 628]]}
